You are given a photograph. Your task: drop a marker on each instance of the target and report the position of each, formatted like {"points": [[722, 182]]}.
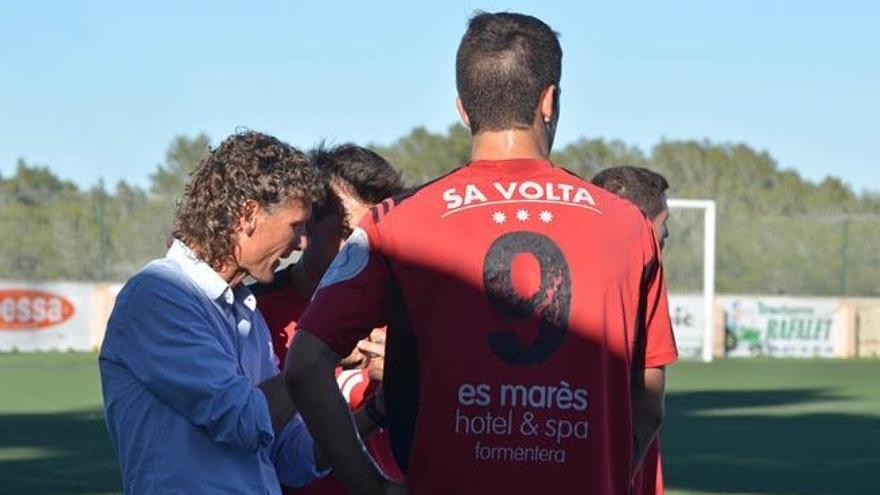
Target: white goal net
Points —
{"points": [[689, 262]]}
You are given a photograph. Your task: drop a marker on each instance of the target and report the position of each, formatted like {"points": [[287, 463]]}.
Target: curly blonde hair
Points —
{"points": [[246, 166]]}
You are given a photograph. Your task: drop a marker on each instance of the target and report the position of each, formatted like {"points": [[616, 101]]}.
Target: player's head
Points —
{"points": [[244, 201], [356, 180], [507, 72], [645, 188]]}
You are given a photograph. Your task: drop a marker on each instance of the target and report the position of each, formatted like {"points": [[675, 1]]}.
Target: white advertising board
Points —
{"points": [[48, 316], [781, 326], [688, 324]]}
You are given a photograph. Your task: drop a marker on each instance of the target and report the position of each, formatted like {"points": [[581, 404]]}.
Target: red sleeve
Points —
{"points": [[355, 385], [352, 298], [660, 348]]}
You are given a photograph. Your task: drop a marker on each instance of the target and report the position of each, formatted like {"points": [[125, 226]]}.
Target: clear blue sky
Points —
{"points": [[99, 89]]}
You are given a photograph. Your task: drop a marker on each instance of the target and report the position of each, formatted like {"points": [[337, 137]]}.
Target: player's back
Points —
{"points": [[517, 290]]}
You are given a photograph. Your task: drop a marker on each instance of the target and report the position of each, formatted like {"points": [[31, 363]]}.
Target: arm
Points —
{"points": [[647, 393], [365, 422], [295, 455], [168, 343], [309, 372], [371, 416], [281, 407], [655, 348]]}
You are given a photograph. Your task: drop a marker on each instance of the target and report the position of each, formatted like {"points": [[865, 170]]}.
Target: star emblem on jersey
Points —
{"points": [[546, 216], [522, 215], [499, 217]]}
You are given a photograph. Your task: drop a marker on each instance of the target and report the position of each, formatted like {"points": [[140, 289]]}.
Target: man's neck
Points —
{"points": [[507, 145], [233, 275]]}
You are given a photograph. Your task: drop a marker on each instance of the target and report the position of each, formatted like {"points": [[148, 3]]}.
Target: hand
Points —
{"points": [[355, 360], [374, 348]]}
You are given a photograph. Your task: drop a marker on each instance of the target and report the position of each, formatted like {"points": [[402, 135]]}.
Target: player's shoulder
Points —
{"points": [[159, 282], [160, 276], [621, 215], [412, 200]]}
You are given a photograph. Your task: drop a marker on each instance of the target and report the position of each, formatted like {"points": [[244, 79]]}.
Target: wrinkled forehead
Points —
{"points": [[292, 210]]}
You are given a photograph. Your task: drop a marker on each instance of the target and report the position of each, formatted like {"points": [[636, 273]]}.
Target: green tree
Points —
{"points": [[42, 224], [181, 158], [138, 229], [32, 185], [422, 155], [586, 157], [777, 233]]}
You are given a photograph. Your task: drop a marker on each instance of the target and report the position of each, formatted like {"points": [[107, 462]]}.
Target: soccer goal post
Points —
{"points": [[689, 263]]}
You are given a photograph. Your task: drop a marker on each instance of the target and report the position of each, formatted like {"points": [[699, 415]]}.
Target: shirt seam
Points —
{"points": [[661, 359]]}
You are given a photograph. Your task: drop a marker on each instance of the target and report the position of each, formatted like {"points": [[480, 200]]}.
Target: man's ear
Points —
{"points": [[247, 221], [548, 106], [462, 113]]}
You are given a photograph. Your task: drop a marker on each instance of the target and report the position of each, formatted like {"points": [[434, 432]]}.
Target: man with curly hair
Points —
{"points": [[192, 393]]}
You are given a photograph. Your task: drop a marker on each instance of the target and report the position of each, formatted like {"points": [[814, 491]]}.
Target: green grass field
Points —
{"points": [[735, 426]]}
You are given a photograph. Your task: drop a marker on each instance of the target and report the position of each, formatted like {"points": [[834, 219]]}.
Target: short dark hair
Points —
{"points": [[639, 185], [246, 166], [504, 62], [361, 172]]}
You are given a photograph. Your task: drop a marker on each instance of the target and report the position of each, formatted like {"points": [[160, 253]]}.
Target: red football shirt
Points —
{"points": [[518, 298], [649, 479], [282, 306]]}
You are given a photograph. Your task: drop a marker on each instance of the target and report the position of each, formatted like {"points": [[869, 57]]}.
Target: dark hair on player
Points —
{"points": [[248, 166], [504, 62], [358, 171], [639, 185]]}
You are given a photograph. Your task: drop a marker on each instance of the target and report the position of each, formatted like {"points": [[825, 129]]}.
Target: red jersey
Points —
{"points": [[518, 298], [649, 479], [282, 306]]}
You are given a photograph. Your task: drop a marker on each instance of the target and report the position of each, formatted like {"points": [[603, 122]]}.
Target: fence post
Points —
{"points": [[844, 247], [102, 231]]}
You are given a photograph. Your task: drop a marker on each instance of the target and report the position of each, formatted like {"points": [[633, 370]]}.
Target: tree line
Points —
{"points": [[777, 233]]}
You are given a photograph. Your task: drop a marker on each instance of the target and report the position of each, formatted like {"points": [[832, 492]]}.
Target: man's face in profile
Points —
{"points": [[274, 235], [659, 222], [328, 230]]}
